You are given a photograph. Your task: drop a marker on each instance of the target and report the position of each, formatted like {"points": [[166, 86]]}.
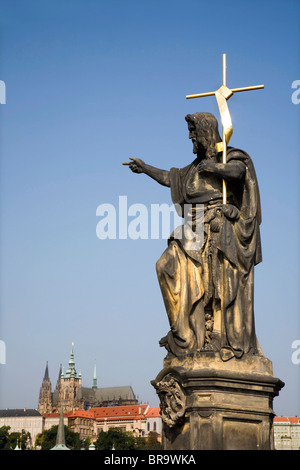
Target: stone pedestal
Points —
{"points": [[209, 404]]}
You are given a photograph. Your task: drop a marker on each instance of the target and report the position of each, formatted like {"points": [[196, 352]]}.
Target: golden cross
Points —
{"points": [[222, 95]]}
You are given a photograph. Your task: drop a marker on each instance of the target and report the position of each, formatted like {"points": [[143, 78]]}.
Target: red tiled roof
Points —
{"points": [[56, 415], [287, 419], [281, 418], [120, 412], [113, 413], [153, 412], [82, 414], [294, 419], [121, 418]]}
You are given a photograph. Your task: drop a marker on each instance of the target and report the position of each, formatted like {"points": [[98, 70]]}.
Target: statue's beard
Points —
{"points": [[199, 148]]}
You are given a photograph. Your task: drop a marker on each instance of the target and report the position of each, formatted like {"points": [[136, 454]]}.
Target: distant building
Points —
{"points": [[45, 398], [83, 422], [139, 419], [71, 395], [52, 419], [153, 420], [24, 419], [286, 432]]}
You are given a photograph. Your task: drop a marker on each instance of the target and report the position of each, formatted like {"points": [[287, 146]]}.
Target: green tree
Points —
{"points": [[153, 441], [86, 443], [115, 437], [4, 436], [9, 441], [13, 439], [25, 439], [47, 439], [140, 443]]}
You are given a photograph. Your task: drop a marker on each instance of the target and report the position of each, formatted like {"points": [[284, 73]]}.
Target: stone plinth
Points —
{"points": [[209, 404]]}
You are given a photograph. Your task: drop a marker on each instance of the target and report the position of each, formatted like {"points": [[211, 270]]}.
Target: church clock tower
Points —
{"points": [[70, 383]]}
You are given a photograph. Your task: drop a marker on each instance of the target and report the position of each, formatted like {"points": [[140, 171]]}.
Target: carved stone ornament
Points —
{"points": [[172, 399]]}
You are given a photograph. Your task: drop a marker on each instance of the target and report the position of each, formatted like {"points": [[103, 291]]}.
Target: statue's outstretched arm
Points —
{"points": [[138, 166]]}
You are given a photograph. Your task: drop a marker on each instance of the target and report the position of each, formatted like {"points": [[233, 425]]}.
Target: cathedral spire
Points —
{"points": [[58, 379], [94, 386], [45, 396], [60, 437], [71, 371], [46, 375]]}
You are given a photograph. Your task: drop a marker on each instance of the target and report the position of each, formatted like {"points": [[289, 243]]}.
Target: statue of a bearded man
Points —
{"points": [[207, 282]]}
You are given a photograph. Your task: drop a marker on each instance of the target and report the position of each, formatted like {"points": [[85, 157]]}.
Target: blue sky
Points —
{"points": [[89, 84]]}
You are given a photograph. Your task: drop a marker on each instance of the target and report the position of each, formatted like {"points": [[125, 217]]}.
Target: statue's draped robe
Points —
{"points": [[215, 274]]}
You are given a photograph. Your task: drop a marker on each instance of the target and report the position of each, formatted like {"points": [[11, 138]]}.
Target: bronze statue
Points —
{"points": [[208, 292], [206, 278]]}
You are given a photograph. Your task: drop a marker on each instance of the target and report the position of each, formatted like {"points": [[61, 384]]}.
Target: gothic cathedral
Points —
{"points": [[70, 395]]}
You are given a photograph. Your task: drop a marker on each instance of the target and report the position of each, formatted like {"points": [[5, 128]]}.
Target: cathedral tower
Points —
{"points": [[45, 397], [70, 383], [70, 395]]}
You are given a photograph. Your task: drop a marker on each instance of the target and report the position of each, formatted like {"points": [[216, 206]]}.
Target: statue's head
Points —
{"points": [[204, 133]]}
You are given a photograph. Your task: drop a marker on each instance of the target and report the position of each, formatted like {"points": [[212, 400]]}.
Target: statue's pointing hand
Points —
{"points": [[137, 165]]}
